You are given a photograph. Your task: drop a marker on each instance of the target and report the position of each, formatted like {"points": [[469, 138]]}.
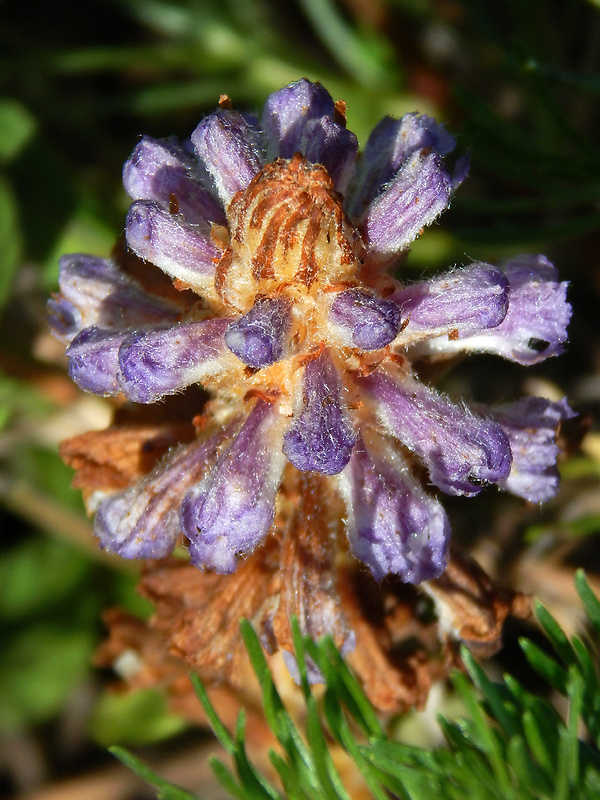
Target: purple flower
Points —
{"points": [[365, 321], [321, 437], [393, 524], [531, 425], [143, 521], [462, 451], [233, 507], [280, 246], [534, 326], [258, 338]]}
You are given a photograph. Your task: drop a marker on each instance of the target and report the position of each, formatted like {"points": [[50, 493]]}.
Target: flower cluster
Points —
{"points": [[280, 244]]}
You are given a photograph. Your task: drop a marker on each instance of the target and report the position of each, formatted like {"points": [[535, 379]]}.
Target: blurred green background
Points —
{"points": [[518, 83]]}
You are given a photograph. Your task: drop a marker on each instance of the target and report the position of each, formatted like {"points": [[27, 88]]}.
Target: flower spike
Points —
{"points": [[254, 311]]}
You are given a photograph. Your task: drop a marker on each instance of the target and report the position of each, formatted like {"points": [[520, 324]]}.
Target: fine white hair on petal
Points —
{"points": [[461, 450], [393, 525], [230, 149], [233, 507], [532, 425], [535, 325]]}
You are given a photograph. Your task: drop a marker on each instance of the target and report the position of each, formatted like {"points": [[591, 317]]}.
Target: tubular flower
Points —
{"points": [[260, 264]]}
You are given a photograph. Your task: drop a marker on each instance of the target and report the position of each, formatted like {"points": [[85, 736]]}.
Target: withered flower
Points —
{"points": [[280, 246]]}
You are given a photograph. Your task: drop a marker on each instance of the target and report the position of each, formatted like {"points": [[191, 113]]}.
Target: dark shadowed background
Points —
{"points": [[517, 82]]}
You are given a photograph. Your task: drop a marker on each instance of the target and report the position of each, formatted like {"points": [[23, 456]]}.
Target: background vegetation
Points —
{"points": [[518, 82]]}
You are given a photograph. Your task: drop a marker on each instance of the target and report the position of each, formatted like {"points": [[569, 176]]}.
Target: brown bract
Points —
{"points": [[139, 651], [471, 608], [312, 542], [388, 631], [112, 459], [391, 635]]}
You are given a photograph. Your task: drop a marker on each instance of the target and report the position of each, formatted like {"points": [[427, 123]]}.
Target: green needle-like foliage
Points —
{"points": [[513, 745]]}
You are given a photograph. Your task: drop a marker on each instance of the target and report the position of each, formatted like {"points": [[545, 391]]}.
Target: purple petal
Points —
{"points": [[94, 292], [461, 450], [364, 321], [259, 337], [287, 113], [416, 196], [420, 132], [228, 146], [231, 510], [461, 170], [163, 172], [535, 326], [143, 521], [64, 318], [465, 301], [94, 360], [330, 144], [155, 363], [182, 252], [320, 438], [393, 525], [531, 425], [389, 145]]}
